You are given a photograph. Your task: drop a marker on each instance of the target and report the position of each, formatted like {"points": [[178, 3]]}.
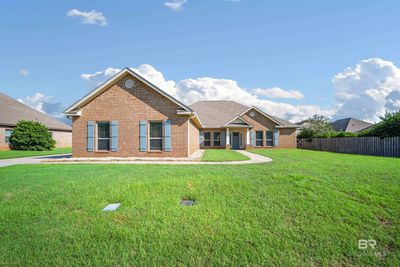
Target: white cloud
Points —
{"points": [[23, 72], [91, 17], [276, 92], [367, 90], [175, 4], [44, 104], [97, 78], [206, 88]]}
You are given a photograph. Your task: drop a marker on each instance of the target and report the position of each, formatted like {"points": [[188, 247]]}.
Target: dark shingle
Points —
{"points": [[215, 114], [350, 125]]}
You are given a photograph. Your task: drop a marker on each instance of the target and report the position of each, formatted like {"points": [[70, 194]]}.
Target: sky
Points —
{"points": [[292, 59]]}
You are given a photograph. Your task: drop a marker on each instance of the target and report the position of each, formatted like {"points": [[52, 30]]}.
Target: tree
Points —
{"points": [[31, 135], [315, 125], [388, 127]]}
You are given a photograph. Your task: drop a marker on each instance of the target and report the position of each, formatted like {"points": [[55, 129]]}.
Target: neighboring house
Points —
{"points": [[128, 116], [350, 125], [12, 111]]}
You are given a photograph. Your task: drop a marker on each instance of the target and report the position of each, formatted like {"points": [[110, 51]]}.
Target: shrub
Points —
{"points": [[314, 126], [388, 127], [31, 135], [306, 133]]}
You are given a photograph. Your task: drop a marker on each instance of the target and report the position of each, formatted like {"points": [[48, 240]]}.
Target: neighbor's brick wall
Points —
{"points": [[193, 138], [287, 137], [63, 139], [3, 144], [128, 107]]}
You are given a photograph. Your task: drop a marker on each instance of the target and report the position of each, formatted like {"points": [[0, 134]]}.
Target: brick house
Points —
{"points": [[128, 116], [12, 111]]}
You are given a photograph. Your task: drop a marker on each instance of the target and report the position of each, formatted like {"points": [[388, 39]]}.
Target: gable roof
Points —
{"points": [[216, 114], [350, 125], [100, 89], [12, 111]]}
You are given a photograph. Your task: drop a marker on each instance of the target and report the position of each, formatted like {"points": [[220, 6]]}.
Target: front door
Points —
{"points": [[235, 140]]}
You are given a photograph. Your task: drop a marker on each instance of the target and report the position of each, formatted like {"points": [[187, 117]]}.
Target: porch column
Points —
{"points": [[227, 144], [247, 137]]}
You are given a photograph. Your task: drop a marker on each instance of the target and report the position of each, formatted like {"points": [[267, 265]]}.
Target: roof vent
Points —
{"points": [[129, 83]]}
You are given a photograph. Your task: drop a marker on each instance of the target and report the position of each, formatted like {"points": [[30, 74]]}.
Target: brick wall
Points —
{"points": [[193, 138], [212, 130], [128, 107], [287, 136], [63, 139], [3, 144]]}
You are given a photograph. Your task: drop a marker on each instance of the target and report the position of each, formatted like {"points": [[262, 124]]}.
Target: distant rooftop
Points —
{"points": [[12, 111], [350, 125]]}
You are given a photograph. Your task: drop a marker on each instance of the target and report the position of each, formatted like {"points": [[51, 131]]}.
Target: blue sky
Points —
{"points": [[292, 45]]}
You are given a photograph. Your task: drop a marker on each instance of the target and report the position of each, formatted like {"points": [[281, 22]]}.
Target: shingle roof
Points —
{"points": [[11, 111], [215, 114], [350, 125]]}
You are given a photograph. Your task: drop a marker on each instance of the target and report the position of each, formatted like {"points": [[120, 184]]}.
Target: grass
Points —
{"points": [[306, 208], [8, 154], [223, 155]]}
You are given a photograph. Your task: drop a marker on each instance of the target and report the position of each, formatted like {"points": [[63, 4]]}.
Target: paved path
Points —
{"points": [[31, 160], [66, 159], [254, 158]]}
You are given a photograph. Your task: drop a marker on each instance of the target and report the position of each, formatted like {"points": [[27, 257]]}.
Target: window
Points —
{"points": [[7, 135], [270, 138], [259, 138], [103, 136], [217, 139], [207, 138], [156, 138]]}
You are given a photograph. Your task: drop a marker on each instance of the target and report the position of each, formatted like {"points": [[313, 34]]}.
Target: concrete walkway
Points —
{"points": [[31, 160], [66, 159], [195, 160]]}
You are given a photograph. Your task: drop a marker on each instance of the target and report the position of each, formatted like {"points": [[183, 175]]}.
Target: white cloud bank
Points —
{"points": [[367, 90], [206, 88], [364, 91], [276, 92], [44, 104], [175, 4], [91, 17]]}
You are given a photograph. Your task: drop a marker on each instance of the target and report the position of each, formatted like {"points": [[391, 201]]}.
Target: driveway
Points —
{"points": [[31, 160]]}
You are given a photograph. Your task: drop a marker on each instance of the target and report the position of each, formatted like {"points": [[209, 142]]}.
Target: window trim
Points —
{"points": [[5, 136], [155, 138], [103, 138], [215, 140], [269, 139], [209, 140], [262, 138]]}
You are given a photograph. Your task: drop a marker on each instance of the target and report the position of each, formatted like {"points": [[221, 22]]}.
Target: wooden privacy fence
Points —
{"points": [[373, 146]]}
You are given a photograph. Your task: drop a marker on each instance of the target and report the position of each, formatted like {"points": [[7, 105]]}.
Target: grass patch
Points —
{"points": [[306, 208], [9, 154], [220, 155]]}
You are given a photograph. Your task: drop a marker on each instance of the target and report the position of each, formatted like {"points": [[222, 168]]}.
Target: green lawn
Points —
{"points": [[306, 208], [8, 154], [222, 155]]}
